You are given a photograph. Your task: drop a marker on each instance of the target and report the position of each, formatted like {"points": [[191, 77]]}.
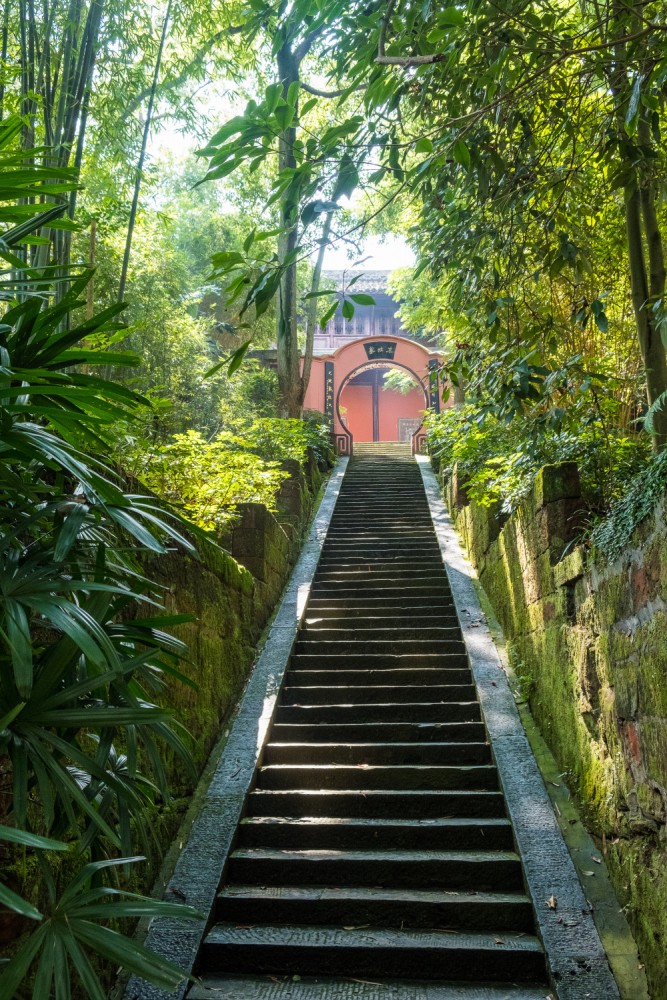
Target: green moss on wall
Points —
{"points": [[588, 639]]}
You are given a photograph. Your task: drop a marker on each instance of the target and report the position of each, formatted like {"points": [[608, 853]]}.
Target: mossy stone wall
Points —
{"points": [[232, 590], [588, 639]]}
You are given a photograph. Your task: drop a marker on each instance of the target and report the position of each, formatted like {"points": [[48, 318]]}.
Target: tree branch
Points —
{"points": [[311, 312], [324, 93], [406, 61], [306, 45], [383, 29]]}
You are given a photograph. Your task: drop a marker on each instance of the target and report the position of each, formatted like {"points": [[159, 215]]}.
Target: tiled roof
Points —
{"points": [[368, 281]]}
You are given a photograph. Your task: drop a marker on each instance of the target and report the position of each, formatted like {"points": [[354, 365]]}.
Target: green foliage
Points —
{"points": [[205, 480], [612, 535], [498, 460], [251, 393], [82, 719], [274, 437], [399, 381], [75, 925]]}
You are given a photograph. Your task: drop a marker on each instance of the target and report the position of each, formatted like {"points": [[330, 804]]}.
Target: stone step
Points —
{"points": [[405, 732], [423, 577], [333, 620], [420, 528], [344, 541], [340, 647], [376, 804], [425, 754], [410, 908], [380, 590], [313, 950], [351, 632], [329, 833], [479, 871], [373, 661], [407, 522], [395, 777], [393, 676], [364, 606], [378, 565], [256, 987], [329, 694], [428, 712], [381, 555]]}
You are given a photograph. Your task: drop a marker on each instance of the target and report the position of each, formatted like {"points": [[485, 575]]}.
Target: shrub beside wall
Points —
{"points": [[588, 637]]}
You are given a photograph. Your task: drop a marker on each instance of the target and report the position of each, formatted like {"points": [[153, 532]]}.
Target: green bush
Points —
{"points": [[498, 460], [206, 480], [278, 438], [611, 535], [82, 715]]}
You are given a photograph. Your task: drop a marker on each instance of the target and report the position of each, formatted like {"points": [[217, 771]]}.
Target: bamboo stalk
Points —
{"points": [[142, 156]]}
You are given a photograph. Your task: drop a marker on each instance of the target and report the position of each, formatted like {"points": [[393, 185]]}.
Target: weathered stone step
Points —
{"points": [[332, 620], [255, 987], [371, 776], [329, 833], [374, 606], [371, 661], [397, 543], [428, 712], [410, 908], [423, 577], [321, 694], [426, 754], [369, 506], [364, 571], [381, 521], [384, 589], [364, 607], [345, 541], [400, 532], [407, 675], [311, 950], [323, 647], [391, 549], [401, 732], [479, 871], [351, 633], [372, 513], [378, 804], [378, 564]]}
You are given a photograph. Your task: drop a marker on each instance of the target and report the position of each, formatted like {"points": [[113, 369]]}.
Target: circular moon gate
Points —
{"points": [[387, 366]]}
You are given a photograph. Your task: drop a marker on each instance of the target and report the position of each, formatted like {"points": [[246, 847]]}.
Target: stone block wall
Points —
{"points": [[588, 638], [232, 590]]}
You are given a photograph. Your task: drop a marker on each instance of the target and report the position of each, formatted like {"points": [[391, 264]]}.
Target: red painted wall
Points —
{"points": [[392, 405], [358, 400]]}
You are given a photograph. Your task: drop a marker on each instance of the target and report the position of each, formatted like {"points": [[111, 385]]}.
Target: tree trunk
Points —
{"points": [[459, 396], [289, 380], [3, 53], [640, 201], [311, 314]]}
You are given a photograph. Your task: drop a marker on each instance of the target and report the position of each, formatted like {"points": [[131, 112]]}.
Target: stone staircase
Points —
{"points": [[375, 856]]}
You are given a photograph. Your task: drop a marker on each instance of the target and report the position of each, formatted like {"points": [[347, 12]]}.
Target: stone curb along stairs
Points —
{"points": [[378, 826]]}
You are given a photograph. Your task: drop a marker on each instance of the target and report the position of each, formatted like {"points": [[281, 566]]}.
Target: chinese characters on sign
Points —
{"points": [[381, 349], [329, 390]]}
